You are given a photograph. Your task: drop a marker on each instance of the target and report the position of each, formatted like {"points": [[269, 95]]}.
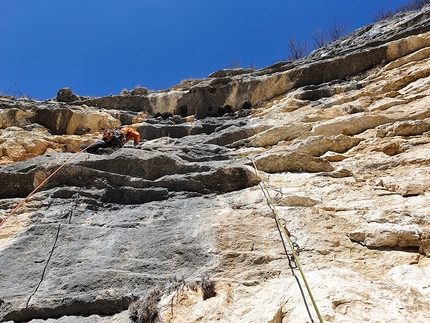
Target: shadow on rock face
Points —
{"points": [[130, 195]]}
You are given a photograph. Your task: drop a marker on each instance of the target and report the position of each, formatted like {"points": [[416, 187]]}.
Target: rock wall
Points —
{"points": [[345, 158], [232, 90]]}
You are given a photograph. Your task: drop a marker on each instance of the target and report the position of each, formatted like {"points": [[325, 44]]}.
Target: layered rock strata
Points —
{"points": [[344, 155]]}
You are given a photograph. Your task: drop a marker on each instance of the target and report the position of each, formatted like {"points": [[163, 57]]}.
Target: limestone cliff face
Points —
{"points": [[341, 139]]}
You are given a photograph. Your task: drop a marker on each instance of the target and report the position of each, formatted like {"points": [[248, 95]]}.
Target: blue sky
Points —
{"points": [[100, 47]]}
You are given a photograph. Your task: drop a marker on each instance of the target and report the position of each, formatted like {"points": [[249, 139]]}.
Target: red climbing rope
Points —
{"points": [[41, 184]]}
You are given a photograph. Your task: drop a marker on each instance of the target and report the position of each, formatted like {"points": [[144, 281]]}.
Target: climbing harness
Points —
{"points": [[41, 184], [291, 241]]}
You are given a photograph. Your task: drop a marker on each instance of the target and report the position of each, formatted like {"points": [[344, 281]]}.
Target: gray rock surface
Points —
{"points": [[341, 139], [66, 95]]}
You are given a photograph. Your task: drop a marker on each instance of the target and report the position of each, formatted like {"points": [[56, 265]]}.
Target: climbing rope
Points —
{"points": [[43, 183], [286, 236], [45, 267]]}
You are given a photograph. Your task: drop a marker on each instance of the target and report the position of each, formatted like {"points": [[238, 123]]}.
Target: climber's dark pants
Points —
{"points": [[94, 148]]}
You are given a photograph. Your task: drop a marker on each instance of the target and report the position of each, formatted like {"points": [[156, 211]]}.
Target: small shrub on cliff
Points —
{"points": [[208, 287], [297, 48], [413, 5], [16, 93], [235, 64], [145, 309], [382, 14], [320, 38], [338, 31]]}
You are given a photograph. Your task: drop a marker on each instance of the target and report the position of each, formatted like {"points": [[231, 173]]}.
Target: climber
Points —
{"points": [[114, 139], [130, 133]]}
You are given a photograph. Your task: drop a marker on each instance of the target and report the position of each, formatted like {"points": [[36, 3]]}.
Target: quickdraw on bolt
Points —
{"points": [[285, 234]]}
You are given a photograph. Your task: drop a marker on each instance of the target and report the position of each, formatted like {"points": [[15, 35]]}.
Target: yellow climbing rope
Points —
{"points": [[286, 235]]}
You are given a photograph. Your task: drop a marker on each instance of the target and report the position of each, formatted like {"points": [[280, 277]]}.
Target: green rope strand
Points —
{"points": [[287, 237]]}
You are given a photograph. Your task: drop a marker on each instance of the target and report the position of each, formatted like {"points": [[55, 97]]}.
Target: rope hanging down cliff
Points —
{"points": [[127, 134], [41, 184], [286, 236]]}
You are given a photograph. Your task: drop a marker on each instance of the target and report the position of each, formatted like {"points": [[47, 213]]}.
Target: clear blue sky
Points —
{"points": [[100, 47]]}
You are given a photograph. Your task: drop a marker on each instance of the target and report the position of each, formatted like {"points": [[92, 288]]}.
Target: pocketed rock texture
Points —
{"points": [[341, 140]]}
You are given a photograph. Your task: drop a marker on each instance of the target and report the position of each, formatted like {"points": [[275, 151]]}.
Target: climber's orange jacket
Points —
{"points": [[130, 133]]}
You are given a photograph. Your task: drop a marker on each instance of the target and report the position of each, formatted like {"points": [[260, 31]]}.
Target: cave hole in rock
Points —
{"points": [[164, 115], [246, 105], [224, 109], [183, 111]]}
